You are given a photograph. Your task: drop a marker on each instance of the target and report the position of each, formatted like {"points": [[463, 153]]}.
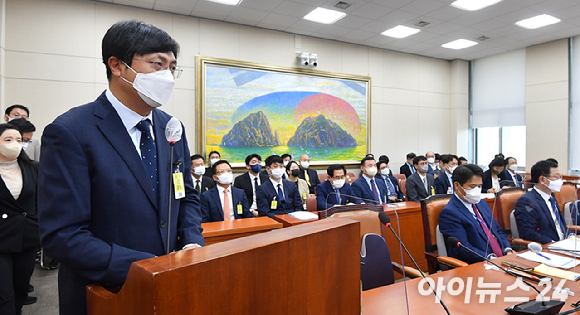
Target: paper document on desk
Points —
{"points": [[488, 196], [555, 272], [571, 243], [550, 259], [303, 215]]}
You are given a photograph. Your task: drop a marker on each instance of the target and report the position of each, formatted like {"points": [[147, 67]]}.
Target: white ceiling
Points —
{"points": [[366, 19]]}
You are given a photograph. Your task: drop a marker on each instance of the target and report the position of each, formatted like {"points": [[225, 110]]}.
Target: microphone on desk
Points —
{"points": [[386, 220], [173, 131], [530, 307]]}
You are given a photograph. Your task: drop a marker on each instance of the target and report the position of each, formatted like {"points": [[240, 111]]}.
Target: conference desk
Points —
{"points": [[215, 232], [288, 220], [391, 299]]}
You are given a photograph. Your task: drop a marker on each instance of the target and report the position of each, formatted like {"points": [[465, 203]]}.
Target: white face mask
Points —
{"points": [[386, 171], [199, 170], [11, 150], [213, 161], [338, 183], [225, 178], [155, 88], [472, 196], [431, 160], [305, 164], [277, 173], [24, 145], [371, 171], [451, 169], [286, 163], [514, 167], [555, 185]]}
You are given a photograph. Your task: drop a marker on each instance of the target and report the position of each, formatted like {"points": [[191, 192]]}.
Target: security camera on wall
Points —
{"points": [[307, 59]]}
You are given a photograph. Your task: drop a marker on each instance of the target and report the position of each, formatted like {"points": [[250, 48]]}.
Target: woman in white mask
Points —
{"points": [[19, 234], [293, 171]]}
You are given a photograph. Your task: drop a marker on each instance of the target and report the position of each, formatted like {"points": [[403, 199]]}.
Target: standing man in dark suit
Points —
{"points": [[444, 182], [470, 220], [511, 167], [537, 213], [384, 174], [408, 169], [201, 183], [335, 190], [307, 174], [213, 157], [104, 181], [251, 180], [366, 187], [276, 195], [224, 202], [421, 184]]}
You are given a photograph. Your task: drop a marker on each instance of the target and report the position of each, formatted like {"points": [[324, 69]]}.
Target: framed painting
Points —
{"points": [[246, 108]]}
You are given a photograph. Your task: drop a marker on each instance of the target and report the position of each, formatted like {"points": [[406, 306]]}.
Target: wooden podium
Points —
{"points": [[306, 269]]}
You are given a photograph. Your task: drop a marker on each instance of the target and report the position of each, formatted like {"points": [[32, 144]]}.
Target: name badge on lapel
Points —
{"points": [[240, 209], [274, 204], [178, 185]]}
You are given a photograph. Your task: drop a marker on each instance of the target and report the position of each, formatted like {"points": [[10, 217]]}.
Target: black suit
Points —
{"points": [[314, 181], [207, 183], [245, 182], [19, 239], [208, 172], [405, 169]]}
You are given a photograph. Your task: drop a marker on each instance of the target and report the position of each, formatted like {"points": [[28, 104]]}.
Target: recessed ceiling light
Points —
{"points": [[228, 2], [537, 21], [400, 31], [473, 5], [459, 44], [324, 16]]}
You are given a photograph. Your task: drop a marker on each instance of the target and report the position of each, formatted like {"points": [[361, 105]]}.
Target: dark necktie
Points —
{"points": [[256, 183], [338, 196], [492, 240], [281, 194], [148, 153], [197, 186], [412, 169], [375, 192], [390, 187], [558, 217]]}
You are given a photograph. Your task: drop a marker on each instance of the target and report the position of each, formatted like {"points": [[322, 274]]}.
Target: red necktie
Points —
{"points": [[227, 215], [492, 240]]}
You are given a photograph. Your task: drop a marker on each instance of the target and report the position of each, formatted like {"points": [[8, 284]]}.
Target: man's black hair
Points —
{"points": [[212, 152], [10, 108], [411, 155], [542, 168], [446, 158], [274, 159], [381, 162], [553, 160], [463, 173], [213, 168], [126, 39], [285, 155], [437, 157], [418, 159], [23, 125], [251, 156], [459, 159], [335, 167], [367, 158], [507, 160], [384, 158], [197, 156]]}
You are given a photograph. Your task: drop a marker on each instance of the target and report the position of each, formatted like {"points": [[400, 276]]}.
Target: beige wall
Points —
{"points": [[53, 63], [547, 103]]}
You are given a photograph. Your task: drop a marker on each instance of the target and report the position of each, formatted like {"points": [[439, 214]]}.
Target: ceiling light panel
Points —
{"points": [[473, 5], [324, 16], [400, 31], [459, 44], [227, 2], [537, 21]]}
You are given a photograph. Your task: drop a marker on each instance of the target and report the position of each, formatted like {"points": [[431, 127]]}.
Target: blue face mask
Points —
{"points": [[256, 168]]}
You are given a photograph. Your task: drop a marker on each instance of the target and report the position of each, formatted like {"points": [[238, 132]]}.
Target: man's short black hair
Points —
{"points": [[213, 168], [446, 158], [274, 159], [23, 125], [212, 152], [251, 156], [367, 158], [197, 156], [335, 167], [437, 157], [384, 158], [381, 162], [126, 39], [499, 155], [459, 159], [542, 168], [418, 159], [285, 155], [497, 162], [411, 155], [463, 173], [507, 160], [370, 155], [553, 160], [10, 108]]}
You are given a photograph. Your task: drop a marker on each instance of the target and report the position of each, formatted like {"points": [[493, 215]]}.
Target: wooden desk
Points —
{"points": [[391, 299], [288, 220], [215, 232]]}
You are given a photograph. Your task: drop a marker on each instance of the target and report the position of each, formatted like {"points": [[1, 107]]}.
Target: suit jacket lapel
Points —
{"points": [[164, 166], [546, 211], [470, 218], [216, 196]]}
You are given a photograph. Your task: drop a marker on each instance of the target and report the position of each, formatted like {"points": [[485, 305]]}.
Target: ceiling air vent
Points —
{"points": [[422, 23], [482, 38], [342, 5]]}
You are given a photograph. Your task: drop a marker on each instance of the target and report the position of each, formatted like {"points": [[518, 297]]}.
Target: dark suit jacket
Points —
{"points": [[398, 193], [503, 180], [97, 210], [455, 220], [432, 170], [534, 219], [245, 182], [19, 232], [416, 189], [405, 169], [326, 195], [314, 181], [207, 183], [208, 171], [442, 184], [211, 205], [361, 189], [508, 179], [266, 193]]}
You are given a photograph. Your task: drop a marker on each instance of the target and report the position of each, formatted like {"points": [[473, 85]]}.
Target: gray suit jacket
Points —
{"points": [[416, 188]]}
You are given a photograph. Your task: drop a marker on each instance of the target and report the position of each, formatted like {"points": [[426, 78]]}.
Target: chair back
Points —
{"points": [[431, 209], [514, 225], [566, 194], [350, 178], [399, 177], [322, 177], [369, 221], [311, 204], [571, 213], [528, 182], [402, 185], [376, 269], [505, 203], [441, 244]]}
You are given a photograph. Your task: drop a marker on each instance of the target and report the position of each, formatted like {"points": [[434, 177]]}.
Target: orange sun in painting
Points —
{"points": [[333, 108]]}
